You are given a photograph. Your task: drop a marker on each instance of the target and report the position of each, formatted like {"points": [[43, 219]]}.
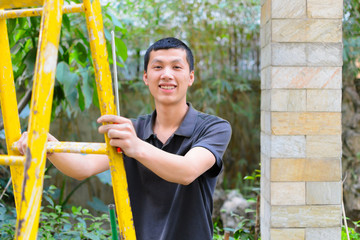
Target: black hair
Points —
{"points": [[168, 43]]}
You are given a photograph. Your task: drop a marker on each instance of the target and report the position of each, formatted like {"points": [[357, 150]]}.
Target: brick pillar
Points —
{"points": [[301, 48]]}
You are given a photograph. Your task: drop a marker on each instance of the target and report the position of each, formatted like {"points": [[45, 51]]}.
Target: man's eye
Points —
{"points": [[177, 67], [157, 67]]}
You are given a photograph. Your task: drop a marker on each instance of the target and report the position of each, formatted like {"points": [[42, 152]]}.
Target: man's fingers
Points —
{"points": [[120, 127], [109, 119], [118, 134], [22, 142], [113, 119], [105, 128]]}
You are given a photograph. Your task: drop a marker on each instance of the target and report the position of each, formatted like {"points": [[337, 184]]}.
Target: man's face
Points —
{"points": [[168, 76]]}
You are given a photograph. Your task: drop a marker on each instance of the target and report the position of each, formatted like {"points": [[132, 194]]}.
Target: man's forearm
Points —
{"points": [[79, 166], [174, 168]]}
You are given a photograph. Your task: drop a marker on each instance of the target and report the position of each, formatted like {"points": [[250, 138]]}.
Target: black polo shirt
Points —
{"points": [[168, 211]]}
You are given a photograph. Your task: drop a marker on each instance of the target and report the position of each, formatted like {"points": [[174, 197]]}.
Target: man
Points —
{"points": [[172, 157]]}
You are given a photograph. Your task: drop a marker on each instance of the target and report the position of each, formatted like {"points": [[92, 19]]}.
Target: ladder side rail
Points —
{"points": [[107, 106], [8, 104], [39, 120]]}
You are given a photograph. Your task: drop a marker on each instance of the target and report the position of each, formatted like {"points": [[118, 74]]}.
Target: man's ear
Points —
{"points": [[145, 79], [192, 78]]}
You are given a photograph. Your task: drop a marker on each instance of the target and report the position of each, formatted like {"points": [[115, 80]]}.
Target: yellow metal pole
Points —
{"points": [[76, 147], [107, 106], [20, 3], [33, 12], [12, 161], [8, 104], [39, 120], [72, 147]]}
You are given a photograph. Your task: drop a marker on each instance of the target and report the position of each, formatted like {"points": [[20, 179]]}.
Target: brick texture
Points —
{"points": [[301, 81]]}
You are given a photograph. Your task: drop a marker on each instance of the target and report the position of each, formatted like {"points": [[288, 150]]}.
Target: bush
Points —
{"points": [[55, 223], [353, 235]]}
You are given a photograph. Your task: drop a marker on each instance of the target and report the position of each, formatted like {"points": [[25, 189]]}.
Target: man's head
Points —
{"points": [[169, 43]]}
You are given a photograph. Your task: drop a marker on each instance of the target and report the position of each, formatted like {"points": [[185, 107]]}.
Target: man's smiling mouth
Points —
{"points": [[167, 87]]}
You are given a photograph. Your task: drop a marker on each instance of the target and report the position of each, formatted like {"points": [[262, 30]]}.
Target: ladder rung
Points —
{"points": [[11, 160], [20, 3], [72, 147], [76, 147], [32, 12]]}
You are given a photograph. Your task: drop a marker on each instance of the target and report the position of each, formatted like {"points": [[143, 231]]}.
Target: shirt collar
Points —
{"points": [[188, 124], [186, 127], [148, 131]]}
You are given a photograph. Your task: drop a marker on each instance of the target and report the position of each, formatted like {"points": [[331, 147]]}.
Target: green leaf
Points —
{"points": [[66, 22], [121, 49], [91, 236], [69, 81], [22, 22], [47, 198], [107, 35], [29, 61], [76, 210], [87, 89], [249, 178], [81, 52], [11, 23], [61, 70], [95, 96], [114, 19], [81, 98], [85, 211]]}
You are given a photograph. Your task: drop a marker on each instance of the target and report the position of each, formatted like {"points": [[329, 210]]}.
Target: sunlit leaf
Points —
{"points": [[121, 49]]}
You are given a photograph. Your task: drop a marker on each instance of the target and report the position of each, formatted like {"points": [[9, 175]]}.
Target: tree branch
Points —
{"points": [[23, 102]]}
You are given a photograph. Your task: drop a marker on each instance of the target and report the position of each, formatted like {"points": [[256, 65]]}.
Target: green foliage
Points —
{"points": [[224, 37], [242, 232], [245, 229], [350, 103], [351, 40], [55, 223], [251, 186], [7, 221], [353, 234], [74, 86]]}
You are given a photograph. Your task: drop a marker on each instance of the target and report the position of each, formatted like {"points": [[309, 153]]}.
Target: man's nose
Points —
{"points": [[167, 73]]}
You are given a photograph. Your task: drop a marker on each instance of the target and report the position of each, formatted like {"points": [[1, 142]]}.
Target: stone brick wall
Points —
{"points": [[301, 76]]}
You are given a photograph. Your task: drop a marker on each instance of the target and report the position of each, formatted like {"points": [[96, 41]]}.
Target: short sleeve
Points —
{"points": [[215, 136]]}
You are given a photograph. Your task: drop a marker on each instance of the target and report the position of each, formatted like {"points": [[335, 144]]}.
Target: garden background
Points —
{"points": [[225, 39]]}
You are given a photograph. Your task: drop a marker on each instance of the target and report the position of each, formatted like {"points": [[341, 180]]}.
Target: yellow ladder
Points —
{"points": [[28, 171]]}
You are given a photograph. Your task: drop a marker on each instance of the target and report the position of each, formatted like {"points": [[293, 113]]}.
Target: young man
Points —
{"points": [[172, 157]]}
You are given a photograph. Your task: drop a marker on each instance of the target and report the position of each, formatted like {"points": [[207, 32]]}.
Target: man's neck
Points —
{"points": [[168, 120]]}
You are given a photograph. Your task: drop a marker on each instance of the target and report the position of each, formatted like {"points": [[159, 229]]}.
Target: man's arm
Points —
{"points": [[171, 167], [175, 168], [78, 166]]}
